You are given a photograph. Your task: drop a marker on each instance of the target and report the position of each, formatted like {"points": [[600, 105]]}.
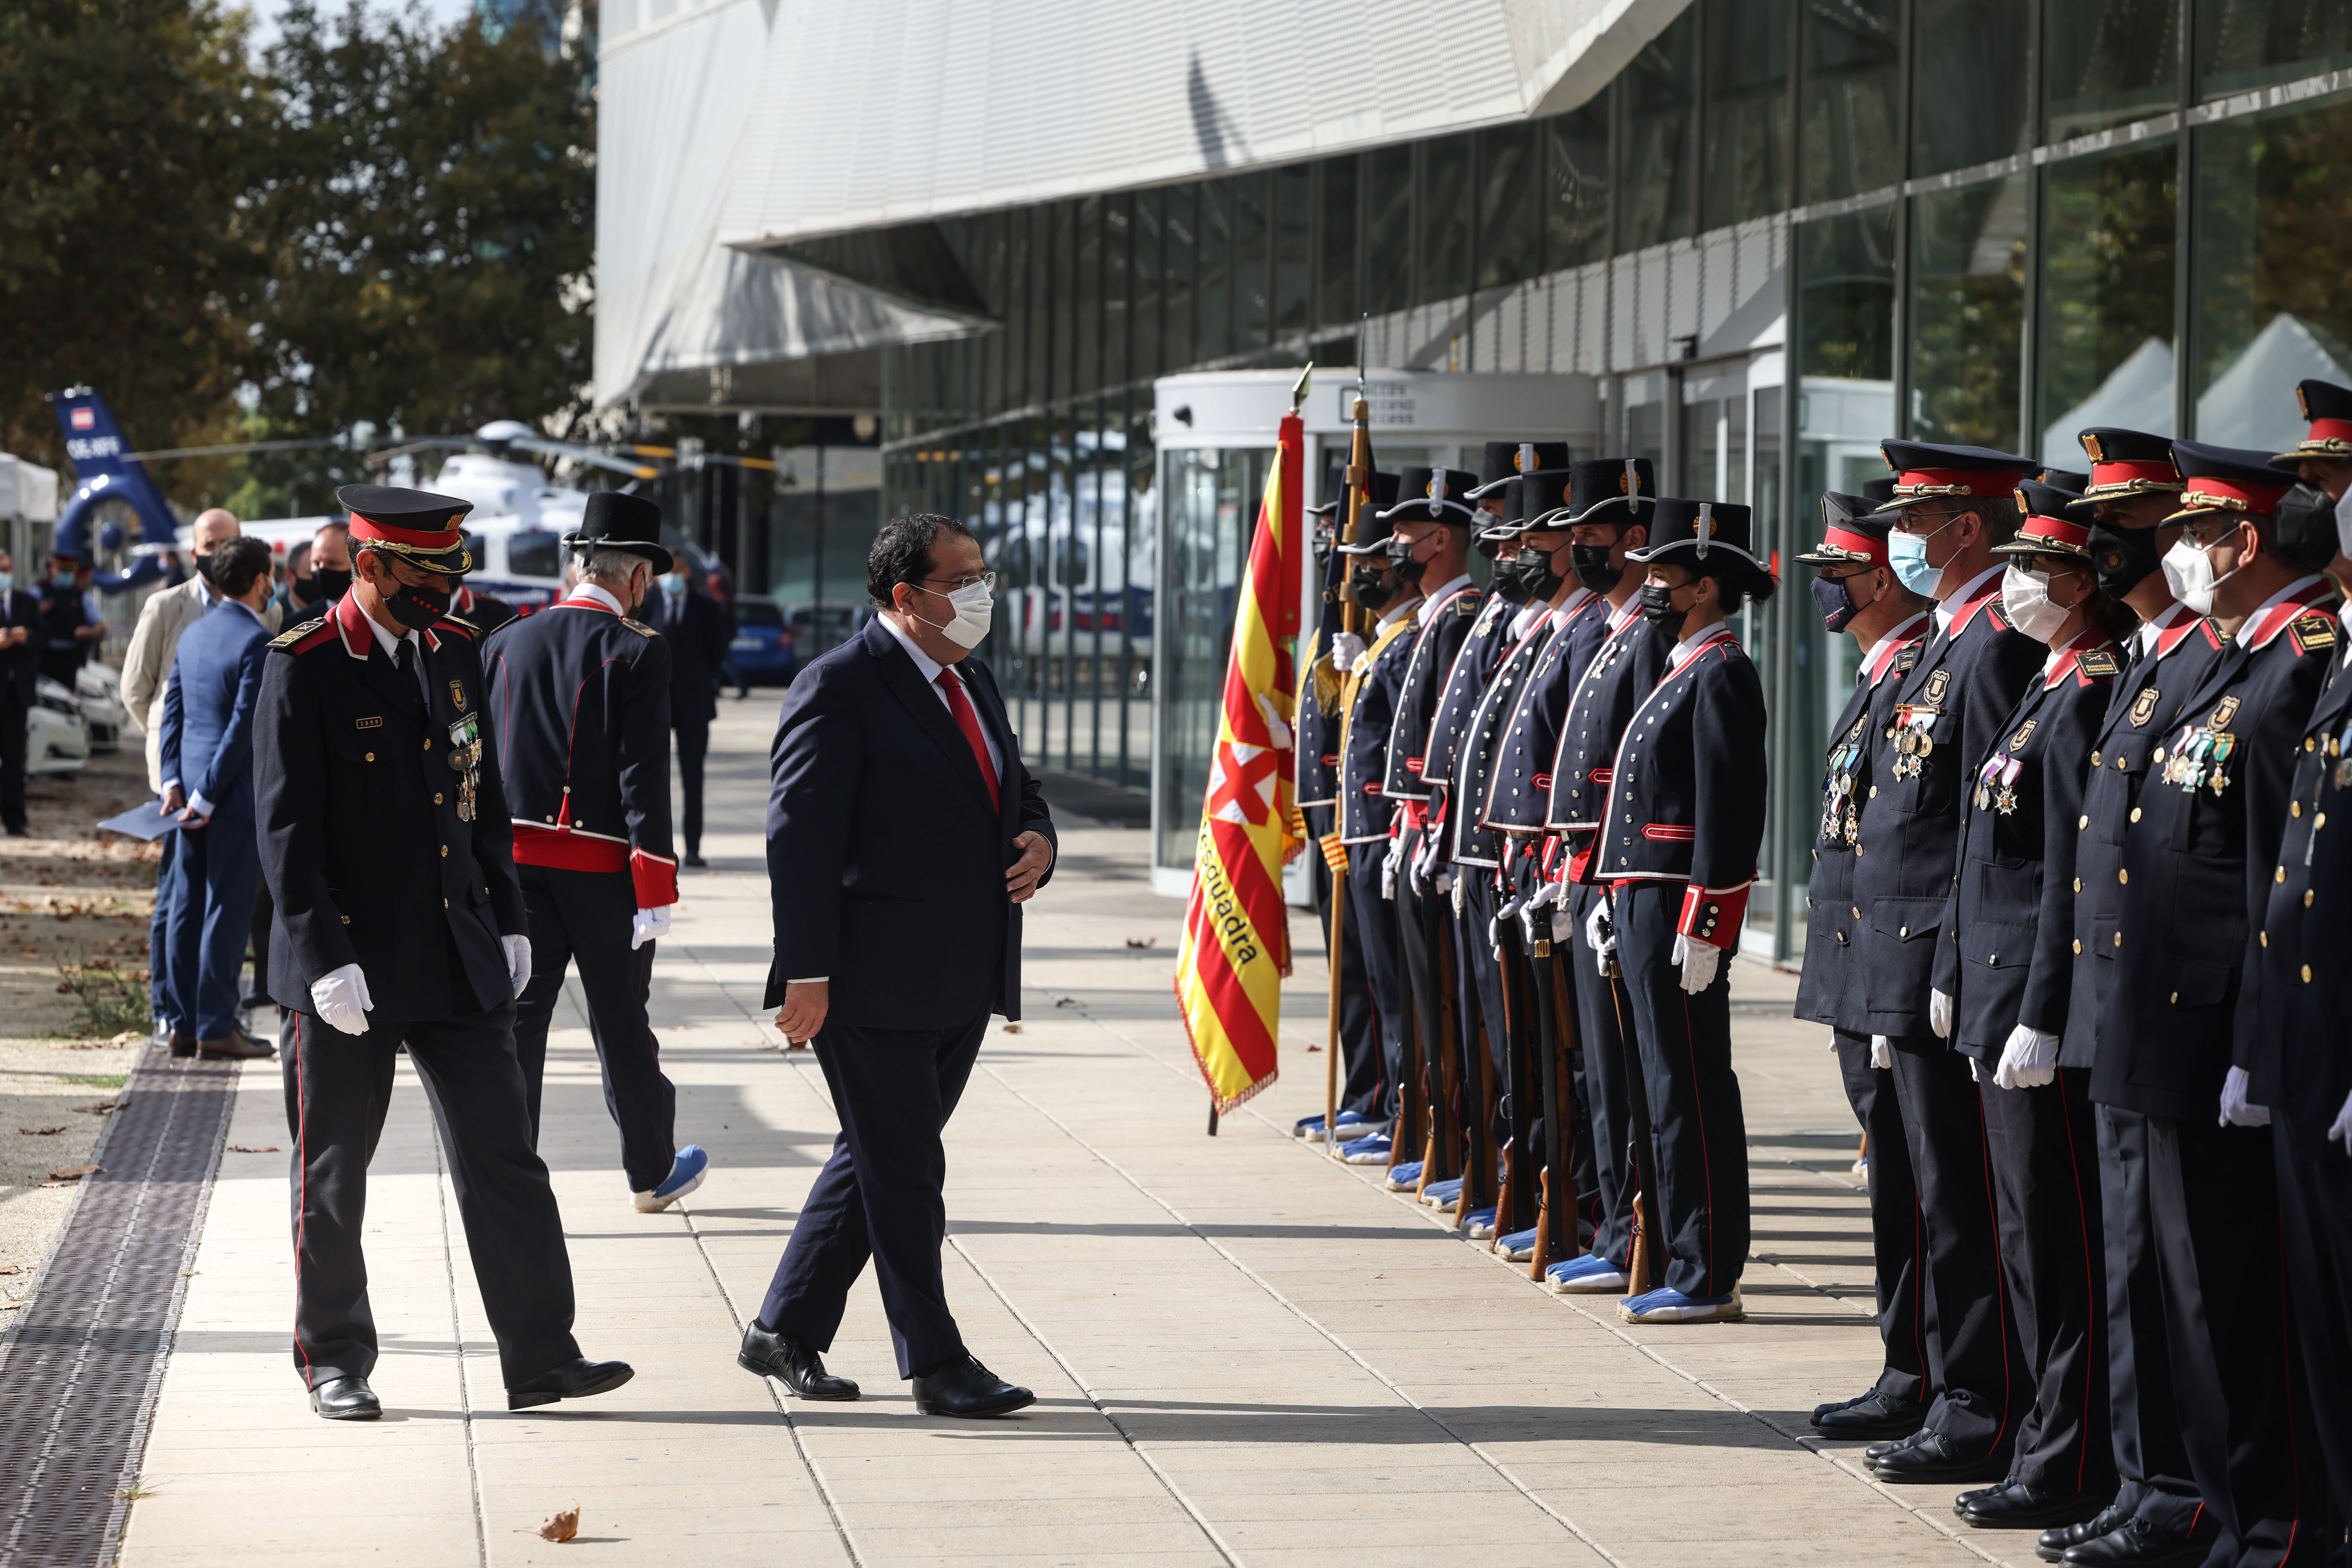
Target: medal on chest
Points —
{"points": [[1997, 784], [1839, 819], [2197, 759], [1913, 734], [465, 761]]}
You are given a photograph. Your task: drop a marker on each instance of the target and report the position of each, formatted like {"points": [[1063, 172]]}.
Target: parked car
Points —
{"points": [[55, 740], [761, 650], [815, 629], [104, 715]]}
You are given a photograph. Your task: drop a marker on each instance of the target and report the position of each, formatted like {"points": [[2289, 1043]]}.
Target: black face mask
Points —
{"points": [[1658, 609], [1511, 582], [1402, 565], [415, 608], [1535, 571], [1591, 564], [1372, 587], [1835, 602], [2121, 558], [329, 582], [2307, 527]]}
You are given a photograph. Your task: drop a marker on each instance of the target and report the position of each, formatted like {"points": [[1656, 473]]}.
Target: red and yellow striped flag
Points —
{"points": [[1236, 929]]}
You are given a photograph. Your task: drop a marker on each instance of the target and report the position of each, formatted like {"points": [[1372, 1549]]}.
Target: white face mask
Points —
{"points": [[975, 609], [2189, 571], [2025, 595], [2343, 522]]}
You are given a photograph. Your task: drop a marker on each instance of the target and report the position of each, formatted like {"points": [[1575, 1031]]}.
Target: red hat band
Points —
{"points": [[2229, 495], [368, 527], [2070, 538], [1853, 543], [2131, 479], [1925, 484], [2335, 435]]}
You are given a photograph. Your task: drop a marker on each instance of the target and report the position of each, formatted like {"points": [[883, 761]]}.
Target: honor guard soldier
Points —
{"points": [[2181, 1025], [387, 845], [2134, 488], [1610, 503], [1676, 846], [1503, 461], [2003, 976], [582, 691], [1375, 674], [1956, 504], [2323, 459], [1856, 591]]}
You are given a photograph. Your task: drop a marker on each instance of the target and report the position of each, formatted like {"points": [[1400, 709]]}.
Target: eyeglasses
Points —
{"points": [[977, 579]]}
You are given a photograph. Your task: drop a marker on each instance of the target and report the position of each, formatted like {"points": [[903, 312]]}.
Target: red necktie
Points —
{"points": [[968, 721]]}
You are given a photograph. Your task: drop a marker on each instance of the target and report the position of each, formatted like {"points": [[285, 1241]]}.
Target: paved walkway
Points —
{"points": [[1243, 1354]]}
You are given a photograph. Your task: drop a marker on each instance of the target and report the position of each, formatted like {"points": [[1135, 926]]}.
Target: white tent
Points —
{"points": [[28, 491], [2137, 395], [2252, 404]]}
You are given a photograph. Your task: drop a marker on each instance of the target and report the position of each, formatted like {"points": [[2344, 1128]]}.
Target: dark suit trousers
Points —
{"points": [[2315, 1202], [12, 761], [2151, 1462], [1604, 1019], [337, 1089], [880, 1195], [1897, 1236], [2246, 1421], [587, 916], [1696, 1125], [217, 869], [264, 911], [2053, 1255], [1369, 1077], [693, 746], [1974, 1363], [162, 997]]}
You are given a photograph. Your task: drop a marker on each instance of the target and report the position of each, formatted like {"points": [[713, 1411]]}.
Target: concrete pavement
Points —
{"points": [[1243, 1354]]}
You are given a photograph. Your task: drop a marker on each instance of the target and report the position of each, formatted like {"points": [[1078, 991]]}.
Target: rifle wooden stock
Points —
{"points": [[1648, 1263], [1556, 1236], [1478, 1174], [1331, 1024], [1445, 1089]]}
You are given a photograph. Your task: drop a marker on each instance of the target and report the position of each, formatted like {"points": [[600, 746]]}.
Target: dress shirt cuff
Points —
{"points": [[200, 806], [810, 980]]}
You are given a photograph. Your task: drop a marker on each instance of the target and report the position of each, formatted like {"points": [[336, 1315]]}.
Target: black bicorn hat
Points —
{"points": [[418, 526], [1853, 532], [1490, 537], [2125, 463], [1699, 532], [2327, 407], [1372, 529], [1536, 500], [1504, 461], [1610, 489], [1434, 495], [2232, 479], [614, 520], [1384, 494], [1926, 473]]}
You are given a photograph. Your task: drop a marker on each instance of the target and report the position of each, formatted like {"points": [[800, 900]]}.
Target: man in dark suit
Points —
{"points": [[68, 628], [694, 626], [208, 766], [902, 830], [388, 844], [20, 666]]}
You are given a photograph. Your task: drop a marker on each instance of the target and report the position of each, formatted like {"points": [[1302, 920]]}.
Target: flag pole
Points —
{"points": [[1360, 486]]}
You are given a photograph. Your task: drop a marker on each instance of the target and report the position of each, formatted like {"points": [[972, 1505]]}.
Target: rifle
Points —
{"points": [[1351, 616], [1557, 1235]]}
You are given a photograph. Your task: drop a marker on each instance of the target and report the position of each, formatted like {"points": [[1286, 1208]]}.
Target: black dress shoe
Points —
{"points": [[964, 1387], [1929, 1457], [2020, 1507], [184, 1045], [575, 1378], [1874, 1417], [1960, 1503], [791, 1363], [2139, 1544], [2052, 1547], [695, 860], [1877, 1451], [345, 1399]]}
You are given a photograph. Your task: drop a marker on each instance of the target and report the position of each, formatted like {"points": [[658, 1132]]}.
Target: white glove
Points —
{"points": [[1460, 891], [2342, 1131], [1881, 1051], [343, 1000], [1345, 650], [1531, 914], [2029, 1060], [1940, 1014], [649, 924], [518, 960], [2235, 1111], [1598, 936], [1389, 867], [1700, 961]]}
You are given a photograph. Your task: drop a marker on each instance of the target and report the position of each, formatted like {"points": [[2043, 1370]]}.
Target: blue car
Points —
{"points": [[762, 651]]}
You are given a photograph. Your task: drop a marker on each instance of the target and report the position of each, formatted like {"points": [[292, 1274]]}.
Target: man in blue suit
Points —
{"points": [[208, 766], [903, 836]]}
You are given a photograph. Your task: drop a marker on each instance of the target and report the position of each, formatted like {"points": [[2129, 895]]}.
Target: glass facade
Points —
{"points": [[1979, 221]]}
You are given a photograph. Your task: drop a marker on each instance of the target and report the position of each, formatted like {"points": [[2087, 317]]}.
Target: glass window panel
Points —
{"points": [[1645, 433], [1247, 194], [1761, 634], [2270, 308], [1211, 500], [1118, 286], [1180, 270], [1747, 109], [1150, 225], [1510, 211], [1442, 220], [2106, 297], [1213, 290], [1388, 229], [2108, 61], [1294, 247], [1850, 118], [1335, 244], [1969, 82], [2243, 44], [1659, 157], [1576, 185], [1967, 296], [1087, 291], [1702, 451]]}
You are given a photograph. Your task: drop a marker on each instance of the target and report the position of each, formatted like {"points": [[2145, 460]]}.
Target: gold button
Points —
{"points": [[2119, 939], [2306, 974], [371, 756], [2078, 944], [2295, 808], [1873, 792], [2135, 815], [2306, 897], [436, 800], [2280, 876], [550, 819], [2095, 759], [2123, 876], [2078, 884], [2310, 742], [1857, 911], [445, 903], [2086, 821], [2175, 999], [1905, 932], [2266, 939], [346, 920], [2319, 822], [428, 743], [2156, 755], [444, 852]]}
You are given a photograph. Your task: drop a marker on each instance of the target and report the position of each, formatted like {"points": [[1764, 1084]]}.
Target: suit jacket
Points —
{"points": [[2303, 1069], [697, 634], [886, 861], [374, 848], [20, 666], [147, 663], [208, 731]]}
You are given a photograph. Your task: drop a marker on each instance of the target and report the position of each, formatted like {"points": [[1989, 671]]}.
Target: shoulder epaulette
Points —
{"points": [[459, 625], [639, 628], [1906, 656], [2001, 617], [2099, 662], [294, 639], [1466, 603], [2311, 630]]}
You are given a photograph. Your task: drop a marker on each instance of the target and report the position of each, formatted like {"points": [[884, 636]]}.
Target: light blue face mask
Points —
{"points": [[1907, 553], [7, 580]]}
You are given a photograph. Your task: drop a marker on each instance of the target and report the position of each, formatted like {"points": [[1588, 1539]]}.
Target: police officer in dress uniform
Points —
{"points": [[365, 828], [2133, 489], [2003, 976], [1956, 504], [1609, 516], [1856, 591], [583, 692], [2181, 1027]]}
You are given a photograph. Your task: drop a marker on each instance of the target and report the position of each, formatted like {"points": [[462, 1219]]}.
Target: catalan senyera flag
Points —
{"points": [[1236, 930]]}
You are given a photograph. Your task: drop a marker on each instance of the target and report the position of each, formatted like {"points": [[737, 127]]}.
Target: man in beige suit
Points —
{"points": [[146, 672]]}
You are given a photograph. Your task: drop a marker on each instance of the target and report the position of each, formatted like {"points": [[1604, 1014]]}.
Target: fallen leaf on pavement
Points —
{"points": [[40, 1132], [1314, 1047], [563, 1526], [74, 1173], [1066, 1001], [104, 1108], [252, 1149], [1012, 1029], [1140, 943]]}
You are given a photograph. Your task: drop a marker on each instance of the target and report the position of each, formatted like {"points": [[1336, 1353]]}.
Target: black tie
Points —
{"points": [[401, 656]]}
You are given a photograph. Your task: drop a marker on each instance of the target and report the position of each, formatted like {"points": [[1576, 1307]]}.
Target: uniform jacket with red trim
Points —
{"points": [[1520, 789], [1464, 683], [2143, 706], [1445, 628], [1317, 756], [582, 698], [2303, 1063], [1364, 810], [2201, 863], [1686, 791], [2007, 957], [1479, 754], [1624, 670], [362, 848], [1961, 689]]}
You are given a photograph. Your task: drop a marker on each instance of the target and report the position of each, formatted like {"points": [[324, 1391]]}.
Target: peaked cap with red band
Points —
{"points": [[2125, 463], [2328, 408], [2046, 529], [417, 525], [1851, 534], [1926, 474], [2232, 479]]}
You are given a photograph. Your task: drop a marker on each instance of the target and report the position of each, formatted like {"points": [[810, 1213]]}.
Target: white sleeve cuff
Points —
{"points": [[810, 980], [200, 806]]}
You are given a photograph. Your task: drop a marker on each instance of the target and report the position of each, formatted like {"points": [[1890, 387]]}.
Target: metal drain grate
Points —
{"points": [[80, 1368]]}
